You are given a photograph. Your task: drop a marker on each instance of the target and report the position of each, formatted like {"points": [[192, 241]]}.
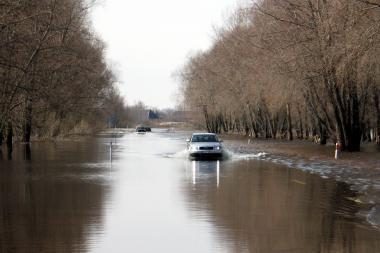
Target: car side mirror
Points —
{"points": [[220, 140], [187, 140]]}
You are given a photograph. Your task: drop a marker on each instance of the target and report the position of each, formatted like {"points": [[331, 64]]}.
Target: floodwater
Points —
{"points": [[70, 197]]}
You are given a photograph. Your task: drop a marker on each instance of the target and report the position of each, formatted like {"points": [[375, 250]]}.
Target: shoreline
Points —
{"points": [[367, 158]]}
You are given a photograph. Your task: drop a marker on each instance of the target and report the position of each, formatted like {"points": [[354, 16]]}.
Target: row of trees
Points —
{"points": [[280, 68], [53, 77]]}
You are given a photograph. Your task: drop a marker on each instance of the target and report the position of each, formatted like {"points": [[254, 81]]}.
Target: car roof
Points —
{"points": [[203, 134]]}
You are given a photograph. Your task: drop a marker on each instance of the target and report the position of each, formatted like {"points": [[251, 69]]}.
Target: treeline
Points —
{"points": [[292, 69], [53, 76]]}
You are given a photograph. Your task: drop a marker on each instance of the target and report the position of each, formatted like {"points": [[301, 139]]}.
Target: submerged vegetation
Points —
{"points": [[292, 69], [53, 77]]}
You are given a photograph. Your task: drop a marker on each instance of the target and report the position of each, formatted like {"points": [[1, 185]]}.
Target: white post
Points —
{"points": [[337, 150], [111, 152]]}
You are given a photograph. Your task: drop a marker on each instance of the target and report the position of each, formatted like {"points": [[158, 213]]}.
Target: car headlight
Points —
{"points": [[218, 147]]}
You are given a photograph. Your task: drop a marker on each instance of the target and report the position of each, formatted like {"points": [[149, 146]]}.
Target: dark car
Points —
{"points": [[140, 130]]}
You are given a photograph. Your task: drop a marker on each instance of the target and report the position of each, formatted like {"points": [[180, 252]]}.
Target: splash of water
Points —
{"points": [[244, 156], [180, 154], [227, 155], [373, 216], [360, 183]]}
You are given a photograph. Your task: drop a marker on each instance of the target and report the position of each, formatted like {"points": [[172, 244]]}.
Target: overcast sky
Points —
{"points": [[147, 41]]}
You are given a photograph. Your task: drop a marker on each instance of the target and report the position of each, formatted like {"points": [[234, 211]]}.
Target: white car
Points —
{"points": [[204, 145]]}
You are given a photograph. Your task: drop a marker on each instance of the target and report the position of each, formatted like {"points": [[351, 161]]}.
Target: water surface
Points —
{"points": [[69, 197]]}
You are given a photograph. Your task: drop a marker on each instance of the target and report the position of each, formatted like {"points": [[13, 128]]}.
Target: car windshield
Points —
{"points": [[204, 138]]}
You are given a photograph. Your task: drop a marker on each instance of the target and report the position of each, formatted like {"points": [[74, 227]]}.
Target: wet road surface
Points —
{"points": [[69, 197]]}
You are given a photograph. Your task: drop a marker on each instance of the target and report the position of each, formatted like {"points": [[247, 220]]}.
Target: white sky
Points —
{"points": [[148, 40]]}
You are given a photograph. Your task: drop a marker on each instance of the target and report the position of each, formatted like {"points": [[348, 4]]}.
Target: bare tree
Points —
{"points": [[292, 66], [52, 67]]}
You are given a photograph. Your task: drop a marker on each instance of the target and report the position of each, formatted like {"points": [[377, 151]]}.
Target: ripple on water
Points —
{"points": [[363, 183], [366, 184], [373, 216]]}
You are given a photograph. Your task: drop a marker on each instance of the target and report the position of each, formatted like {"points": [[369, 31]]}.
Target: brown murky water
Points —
{"points": [[68, 197]]}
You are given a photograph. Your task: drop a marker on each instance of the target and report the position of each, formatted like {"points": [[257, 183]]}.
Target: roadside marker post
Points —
{"points": [[111, 152], [338, 146]]}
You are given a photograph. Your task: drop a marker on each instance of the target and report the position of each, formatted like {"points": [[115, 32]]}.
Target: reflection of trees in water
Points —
{"points": [[261, 207], [42, 209], [27, 152]]}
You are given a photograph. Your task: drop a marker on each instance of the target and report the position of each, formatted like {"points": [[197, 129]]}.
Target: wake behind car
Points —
{"points": [[204, 145]]}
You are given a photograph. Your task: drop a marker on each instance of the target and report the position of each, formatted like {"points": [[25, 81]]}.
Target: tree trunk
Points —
{"points": [[251, 121], [289, 121], [10, 137], [300, 124], [376, 100], [301, 129], [323, 133], [274, 125], [355, 133], [205, 113], [1, 136], [27, 120], [378, 130]]}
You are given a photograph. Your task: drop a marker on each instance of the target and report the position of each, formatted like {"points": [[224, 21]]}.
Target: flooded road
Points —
{"points": [[69, 197]]}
